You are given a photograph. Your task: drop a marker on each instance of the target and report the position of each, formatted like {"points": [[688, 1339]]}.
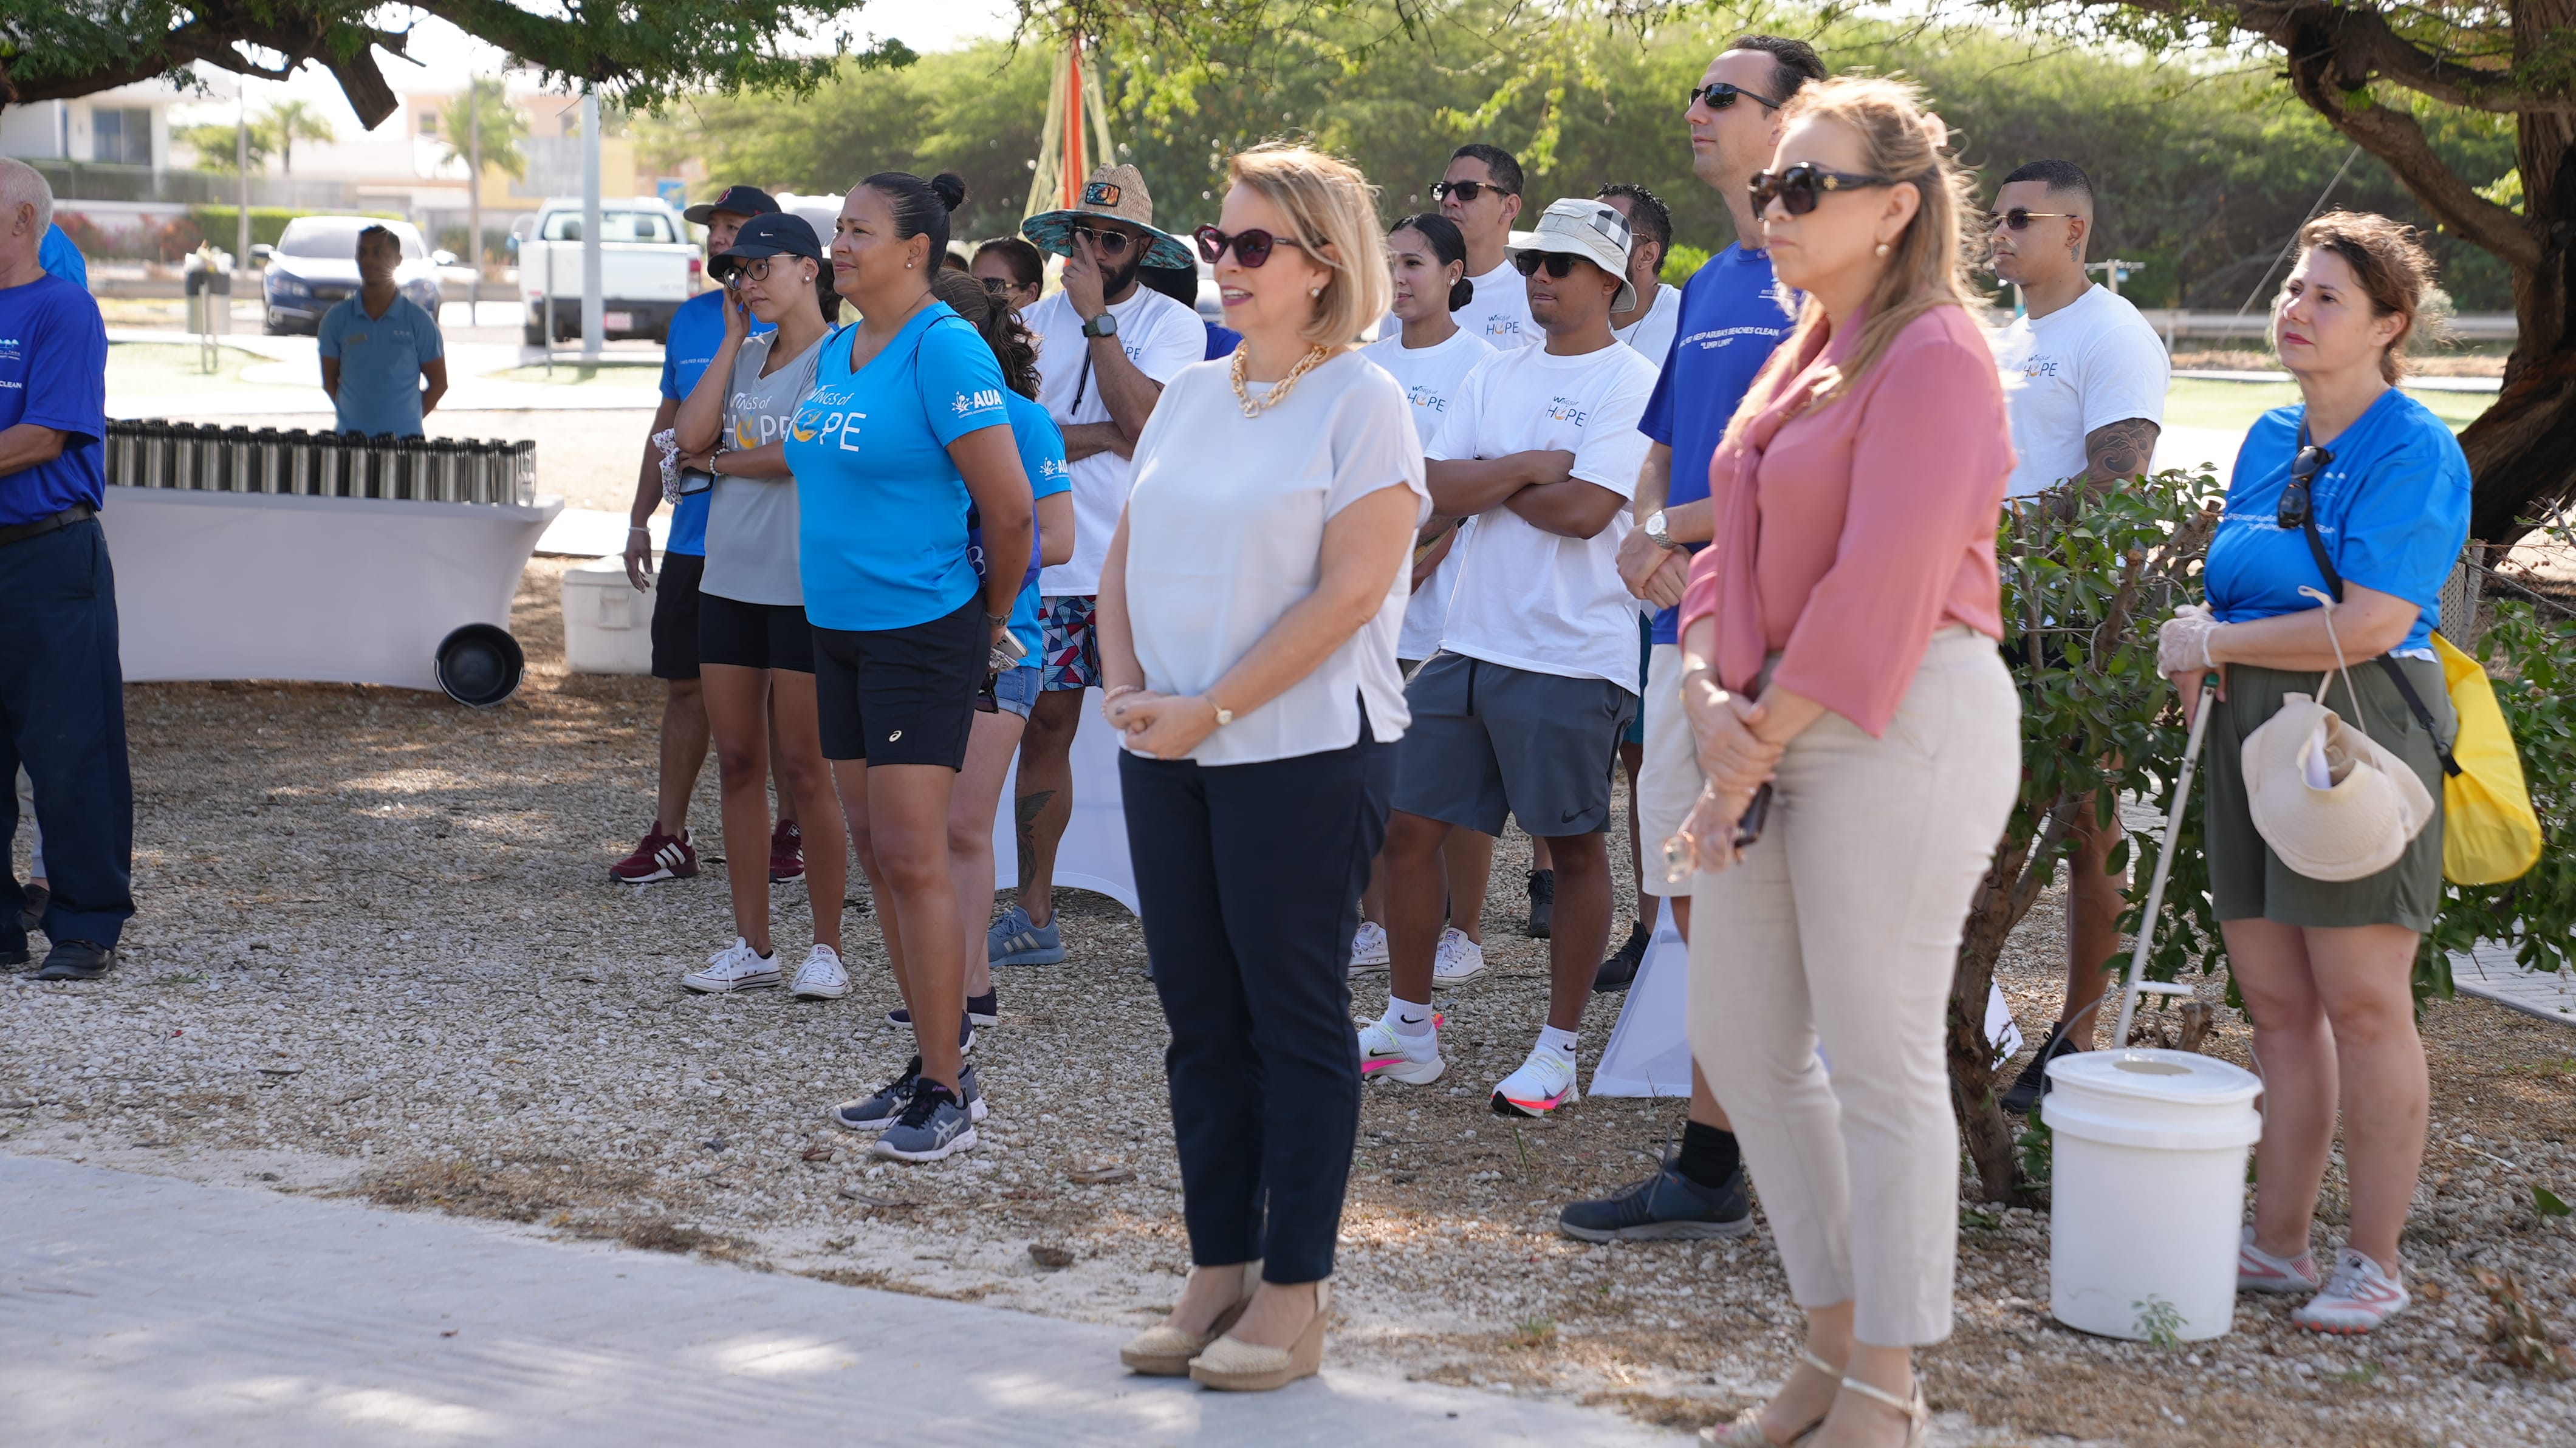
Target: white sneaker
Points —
{"points": [[736, 967], [1456, 958], [1543, 1083], [2355, 1299], [821, 977], [1413, 1060], [1368, 947]]}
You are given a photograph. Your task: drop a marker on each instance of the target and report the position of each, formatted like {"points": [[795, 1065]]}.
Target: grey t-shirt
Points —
{"points": [[751, 522]]}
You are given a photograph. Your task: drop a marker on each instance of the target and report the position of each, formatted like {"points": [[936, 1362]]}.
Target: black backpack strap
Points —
{"points": [[2423, 716]]}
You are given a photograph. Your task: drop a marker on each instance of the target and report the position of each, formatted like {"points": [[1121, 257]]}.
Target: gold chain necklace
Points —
{"points": [[1278, 393]]}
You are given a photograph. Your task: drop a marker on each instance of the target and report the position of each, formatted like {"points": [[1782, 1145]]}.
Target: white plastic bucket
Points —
{"points": [[2148, 1191], [608, 623]]}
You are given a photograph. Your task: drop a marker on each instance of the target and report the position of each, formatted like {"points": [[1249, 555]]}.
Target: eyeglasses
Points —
{"points": [[997, 286], [1560, 265], [1251, 246], [2295, 507], [1466, 190], [1721, 95], [1801, 186], [757, 269], [2020, 217], [1107, 243]]}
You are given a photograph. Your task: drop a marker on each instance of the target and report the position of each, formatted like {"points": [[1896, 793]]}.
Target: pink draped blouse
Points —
{"points": [[1848, 533]]}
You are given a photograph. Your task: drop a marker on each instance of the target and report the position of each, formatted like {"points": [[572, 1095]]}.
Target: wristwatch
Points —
{"points": [[1103, 325], [1655, 533]]}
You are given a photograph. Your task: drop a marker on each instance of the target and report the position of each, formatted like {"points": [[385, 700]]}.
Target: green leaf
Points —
{"points": [[2546, 1202]]}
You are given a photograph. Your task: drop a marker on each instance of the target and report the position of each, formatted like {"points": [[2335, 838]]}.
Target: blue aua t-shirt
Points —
{"points": [[56, 254], [1042, 458], [53, 373], [380, 360], [882, 508], [2392, 510], [1733, 314], [697, 331]]}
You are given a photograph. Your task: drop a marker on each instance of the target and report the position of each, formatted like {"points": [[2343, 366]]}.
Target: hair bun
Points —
{"points": [[1461, 292], [950, 188]]}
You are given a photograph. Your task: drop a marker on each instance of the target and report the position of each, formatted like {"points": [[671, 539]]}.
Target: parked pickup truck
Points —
{"points": [[647, 267]]}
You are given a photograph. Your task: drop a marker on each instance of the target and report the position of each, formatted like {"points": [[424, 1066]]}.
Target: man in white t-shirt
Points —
{"points": [[1481, 192], [1106, 346], [1646, 328], [2084, 380], [1520, 712]]}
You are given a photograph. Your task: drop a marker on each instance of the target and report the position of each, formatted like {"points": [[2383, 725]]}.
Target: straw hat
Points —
{"points": [[1592, 230], [1117, 193], [2360, 823]]}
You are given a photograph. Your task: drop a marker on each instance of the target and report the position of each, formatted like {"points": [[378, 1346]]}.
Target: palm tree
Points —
{"points": [[503, 126], [290, 121]]}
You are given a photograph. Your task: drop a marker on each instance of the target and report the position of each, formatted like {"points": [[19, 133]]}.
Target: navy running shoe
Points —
{"points": [[1664, 1207]]}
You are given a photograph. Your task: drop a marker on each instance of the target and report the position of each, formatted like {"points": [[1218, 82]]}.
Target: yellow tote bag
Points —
{"points": [[2489, 832]]}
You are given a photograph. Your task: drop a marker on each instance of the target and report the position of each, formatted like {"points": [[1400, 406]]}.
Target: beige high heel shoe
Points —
{"points": [[1164, 1351], [1231, 1365], [1918, 1414], [1746, 1430]]}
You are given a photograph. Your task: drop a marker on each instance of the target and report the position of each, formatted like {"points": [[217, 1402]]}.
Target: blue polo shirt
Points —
{"points": [[1733, 314], [2392, 509], [881, 507], [380, 361], [697, 330], [53, 373]]}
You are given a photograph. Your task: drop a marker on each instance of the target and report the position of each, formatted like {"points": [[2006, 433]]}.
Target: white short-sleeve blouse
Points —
{"points": [[1225, 533]]}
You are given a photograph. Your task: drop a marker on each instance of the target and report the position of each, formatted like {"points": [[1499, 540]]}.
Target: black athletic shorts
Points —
{"points": [[754, 635], [902, 695], [675, 616]]}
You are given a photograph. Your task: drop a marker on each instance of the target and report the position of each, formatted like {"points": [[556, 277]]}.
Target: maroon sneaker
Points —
{"points": [[786, 853], [659, 857]]}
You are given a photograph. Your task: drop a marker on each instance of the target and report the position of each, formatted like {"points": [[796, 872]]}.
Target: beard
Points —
{"points": [[1117, 282]]}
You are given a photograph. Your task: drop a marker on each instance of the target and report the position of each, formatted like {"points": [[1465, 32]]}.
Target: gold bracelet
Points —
{"points": [[1120, 691]]}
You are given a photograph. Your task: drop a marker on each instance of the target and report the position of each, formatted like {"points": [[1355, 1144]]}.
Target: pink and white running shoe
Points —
{"points": [[2355, 1299], [2260, 1271]]}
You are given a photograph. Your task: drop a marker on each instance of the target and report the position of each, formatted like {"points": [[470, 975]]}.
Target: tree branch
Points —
{"points": [[2364, 45], [2394, 137]]}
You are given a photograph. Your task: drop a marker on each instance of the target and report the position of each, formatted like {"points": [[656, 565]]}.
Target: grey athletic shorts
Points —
{"points": [[1488, 739]]}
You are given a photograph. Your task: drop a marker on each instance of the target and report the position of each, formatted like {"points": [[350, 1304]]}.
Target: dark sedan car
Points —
{"points": [[315, 265]]}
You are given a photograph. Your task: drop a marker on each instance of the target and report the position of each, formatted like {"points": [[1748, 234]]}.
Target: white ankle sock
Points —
{"points": [[1561, 1042], [1409, 1018]]}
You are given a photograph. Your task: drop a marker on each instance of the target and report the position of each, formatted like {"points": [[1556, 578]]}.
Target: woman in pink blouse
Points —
{"points": [[1838, 647]]}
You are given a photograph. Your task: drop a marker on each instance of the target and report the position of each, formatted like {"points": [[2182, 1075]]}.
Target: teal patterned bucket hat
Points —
{"points": [[1116, 193]]}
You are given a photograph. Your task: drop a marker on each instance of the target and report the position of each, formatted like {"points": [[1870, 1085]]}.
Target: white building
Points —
{"points": [[127, 126]]}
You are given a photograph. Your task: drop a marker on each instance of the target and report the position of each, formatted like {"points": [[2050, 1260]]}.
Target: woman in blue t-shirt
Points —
{"points": [[904, 432], [2325, 967]]}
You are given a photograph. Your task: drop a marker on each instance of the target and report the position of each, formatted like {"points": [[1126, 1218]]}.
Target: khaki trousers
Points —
{"points": [[1838, 930]]}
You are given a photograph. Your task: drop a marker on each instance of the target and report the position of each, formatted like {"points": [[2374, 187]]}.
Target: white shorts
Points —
{"points": [[1669, 781]]}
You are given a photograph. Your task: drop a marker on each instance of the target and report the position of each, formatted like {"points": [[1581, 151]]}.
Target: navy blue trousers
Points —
{"points": [[1249, 876], [62, 713]]}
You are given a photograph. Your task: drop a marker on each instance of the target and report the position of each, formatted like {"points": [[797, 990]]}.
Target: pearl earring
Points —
{"points": [[1314, 291], [1882, 250]]}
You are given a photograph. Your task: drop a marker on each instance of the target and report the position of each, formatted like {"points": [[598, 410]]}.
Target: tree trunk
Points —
{"points": [[1982, 1128], [2523, 451]]}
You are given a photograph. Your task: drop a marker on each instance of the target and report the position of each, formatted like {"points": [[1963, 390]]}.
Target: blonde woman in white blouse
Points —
{"points": [[1248, 616]]}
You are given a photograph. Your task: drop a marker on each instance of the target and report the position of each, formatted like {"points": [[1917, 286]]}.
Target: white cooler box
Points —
{"points": [[608, 626]]}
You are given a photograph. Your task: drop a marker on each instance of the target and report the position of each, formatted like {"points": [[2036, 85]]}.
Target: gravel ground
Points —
{"points": [[380, 957]]}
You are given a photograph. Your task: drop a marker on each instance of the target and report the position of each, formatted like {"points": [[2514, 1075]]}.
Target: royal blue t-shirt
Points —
{"points": [[883, 509], [1734, 312], [1221, 340], [1042, 458], [697, 330], [2392, 510], [56, 254], [53, 373]]}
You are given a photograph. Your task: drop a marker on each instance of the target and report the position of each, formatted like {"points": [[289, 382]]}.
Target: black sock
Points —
{"points": [[1708, 1155]]}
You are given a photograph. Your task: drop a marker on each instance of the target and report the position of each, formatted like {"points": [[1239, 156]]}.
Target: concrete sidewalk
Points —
{"points": [[145, 1310]]}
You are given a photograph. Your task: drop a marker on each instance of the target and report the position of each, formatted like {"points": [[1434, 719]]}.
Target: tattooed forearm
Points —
{"points": [[1024, 820], [2118, 450]]}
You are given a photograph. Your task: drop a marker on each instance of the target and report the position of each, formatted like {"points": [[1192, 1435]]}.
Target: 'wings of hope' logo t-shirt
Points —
{"points": [[882, 508]]}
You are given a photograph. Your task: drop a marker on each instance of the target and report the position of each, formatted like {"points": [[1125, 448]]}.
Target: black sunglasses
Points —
{"points": [[1466, 190], [2295, 506], [2020, 217], [1251, 246], [1801, 186], [1107, 243], [996, 286], [1721, 95], [1560, 265]]}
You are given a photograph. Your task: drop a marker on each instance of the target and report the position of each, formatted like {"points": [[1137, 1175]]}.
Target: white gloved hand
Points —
{"points": [[2182, 647]]}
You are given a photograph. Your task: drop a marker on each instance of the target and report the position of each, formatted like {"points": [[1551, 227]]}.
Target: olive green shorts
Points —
{"points": [[2246, 880]]}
